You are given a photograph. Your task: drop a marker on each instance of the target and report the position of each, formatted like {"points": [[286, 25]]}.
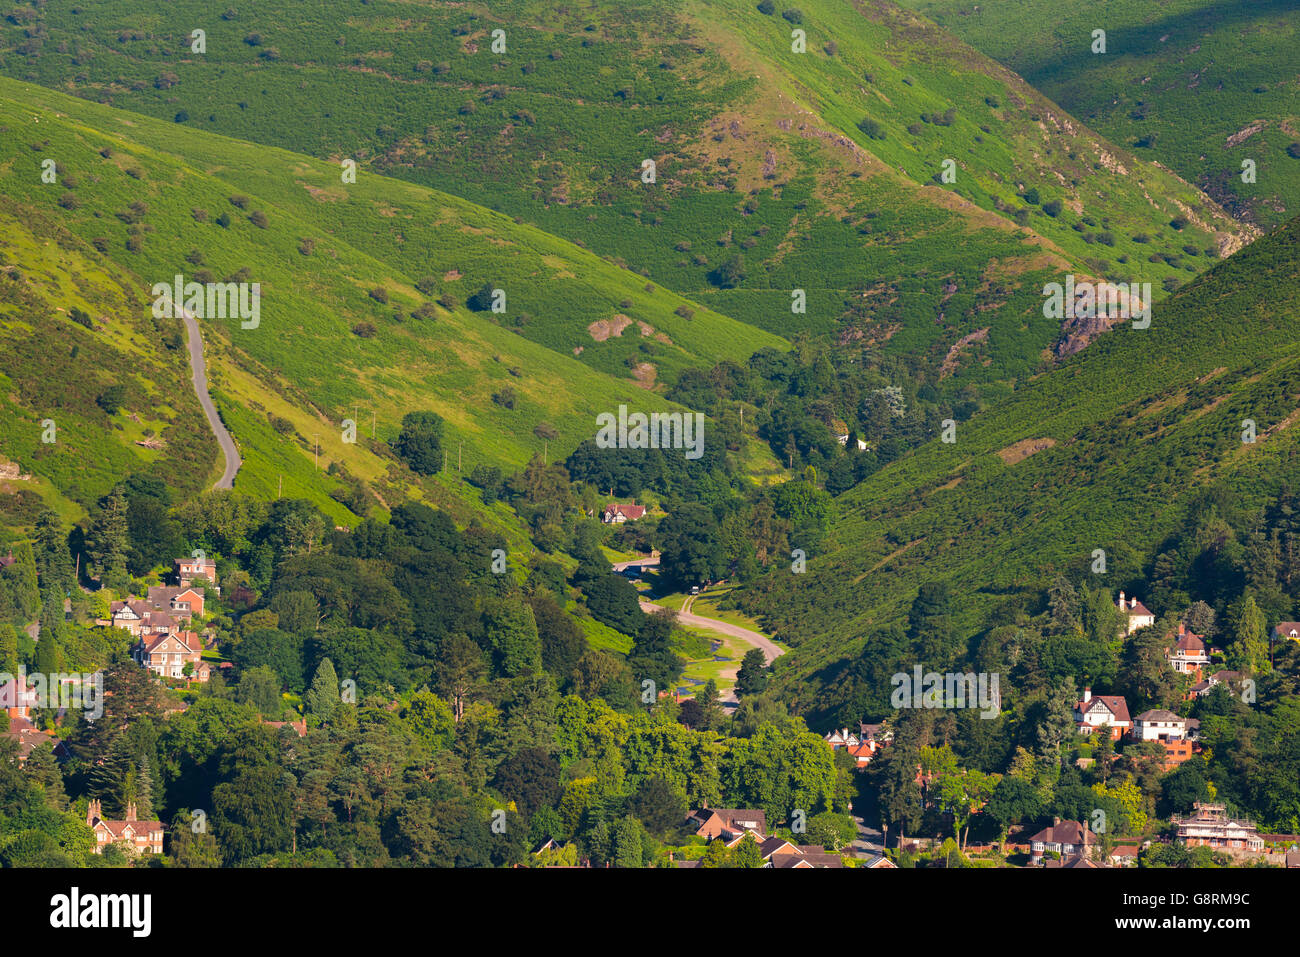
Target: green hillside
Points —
{"points": [[775, 170], [1102, 453], [1193, 84], [343, 333]]}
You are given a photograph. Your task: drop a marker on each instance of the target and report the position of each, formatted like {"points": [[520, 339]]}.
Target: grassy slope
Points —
{"points": [[1189, 73], [302, 363], [54, 369], [758, 149], [1139, 422]]}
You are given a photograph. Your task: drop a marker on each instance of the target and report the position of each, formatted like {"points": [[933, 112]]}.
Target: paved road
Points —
{"points": [[771, 651], [199, 377], [623, 566]]}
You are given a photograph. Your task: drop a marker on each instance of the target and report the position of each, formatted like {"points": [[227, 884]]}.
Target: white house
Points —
{"points": [[1137, 614], [1102, 711], [1159, 725]]}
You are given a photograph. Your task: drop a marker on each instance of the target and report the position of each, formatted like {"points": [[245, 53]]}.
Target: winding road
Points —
{"points": [[199, 378], [771, 650]]}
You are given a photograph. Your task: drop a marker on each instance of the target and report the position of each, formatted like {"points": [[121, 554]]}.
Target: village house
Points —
{"points": [[1177, 735], [7, 560], [1211, 826], [616, 513], [1102, 711], [1158, 725], [167, 655], [1075, 860], [1286, 629], [190, 570], [1137, 615], [1188, 654], [141, 618], [1232, 679], [780, 854], [862, 746], [178, 601], [728, 823], [844, 441], [141, 837], [1065, 838]]}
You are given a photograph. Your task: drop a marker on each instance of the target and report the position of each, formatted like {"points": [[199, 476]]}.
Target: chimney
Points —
{"points": [[92, 811], [1056, 821], [1087, 695], [130, 811], [1121, 600]]}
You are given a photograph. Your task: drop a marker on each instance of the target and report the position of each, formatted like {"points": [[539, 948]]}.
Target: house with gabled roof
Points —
{"points": [[1188, 655], [1232, 679], [616, 513], [176, 600], [1102, 711], [1065, 838], [710, 823], [1136, 615], [139, 837], [189, 570], [1286, 629], [1159, 725], [167, 655]]}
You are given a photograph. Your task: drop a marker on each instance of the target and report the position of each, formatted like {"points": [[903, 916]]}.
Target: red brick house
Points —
{"points": [[168, 654], [728, 822], [1188, 654], [188, 570], [178, 601], [140, 837]]}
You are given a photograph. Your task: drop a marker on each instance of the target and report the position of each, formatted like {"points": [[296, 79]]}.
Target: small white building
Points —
{"points": [[1159, 725], [1137, 615]]}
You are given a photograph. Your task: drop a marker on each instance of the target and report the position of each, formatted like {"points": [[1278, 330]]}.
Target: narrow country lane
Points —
{"points": [[199, 378]]}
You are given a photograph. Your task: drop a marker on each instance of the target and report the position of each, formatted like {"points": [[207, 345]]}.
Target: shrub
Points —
{"points": [[258, 219], [767, 8], [872, 128], [380, 295], [365, 330], [1052, 208], [794, 15]]}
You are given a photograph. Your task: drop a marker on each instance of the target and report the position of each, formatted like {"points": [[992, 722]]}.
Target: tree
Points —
{"points": [[531, 778], [747, 853], [51, 554], [260, 687], [1199, 619], [109, 540], [751, 679], [420, 442], [1248, 652], [323, 696], [1014, 800], [1057, 725], [189, 845], [512, 634], [652, 656]]}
